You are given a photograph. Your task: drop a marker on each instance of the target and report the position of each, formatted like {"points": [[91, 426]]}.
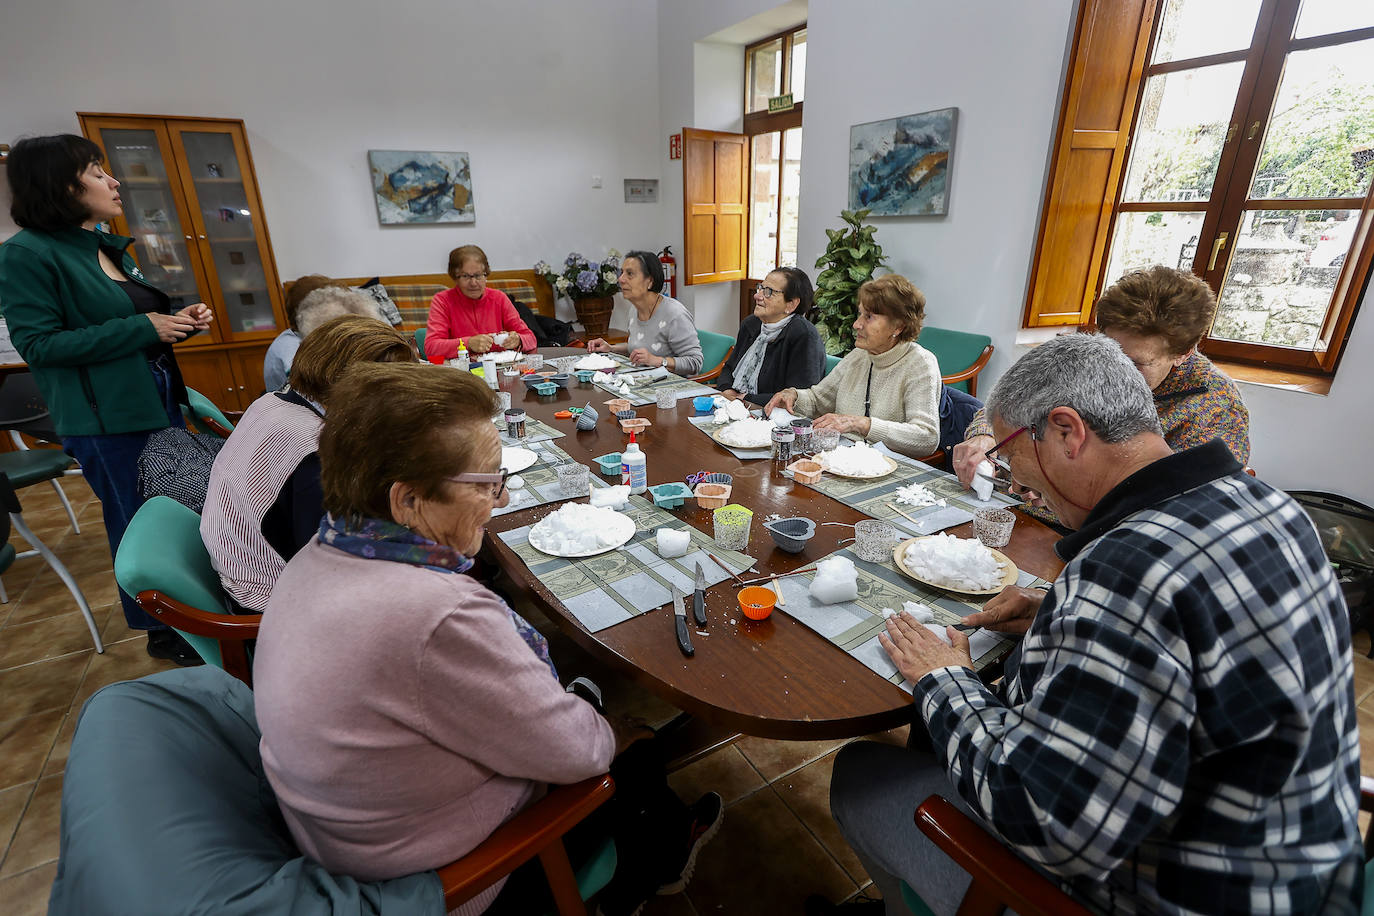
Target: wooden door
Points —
{"points": [[246, 363], [715, 190]]}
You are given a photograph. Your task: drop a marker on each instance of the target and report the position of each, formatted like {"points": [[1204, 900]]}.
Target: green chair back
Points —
{"points": [[162, 550], [954, 350], [420, 341], [201, 406], [713, 348], [831, 362]]}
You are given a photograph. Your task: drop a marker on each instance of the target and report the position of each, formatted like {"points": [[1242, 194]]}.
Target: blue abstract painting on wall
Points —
{"points": [[900, 167], [421, 187]]}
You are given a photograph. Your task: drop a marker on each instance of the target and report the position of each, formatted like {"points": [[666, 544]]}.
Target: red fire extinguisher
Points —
{"points": [[665, 257]]}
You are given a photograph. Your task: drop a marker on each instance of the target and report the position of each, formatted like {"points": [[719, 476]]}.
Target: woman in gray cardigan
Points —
{"points": [[661, 329], [776, 347]]}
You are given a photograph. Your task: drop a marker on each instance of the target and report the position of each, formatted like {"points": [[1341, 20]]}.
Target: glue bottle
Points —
{"points": [[461, 360], [634, 467]]}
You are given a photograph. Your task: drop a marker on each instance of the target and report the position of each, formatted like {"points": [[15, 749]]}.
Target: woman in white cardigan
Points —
{"points": [[887, 389]]}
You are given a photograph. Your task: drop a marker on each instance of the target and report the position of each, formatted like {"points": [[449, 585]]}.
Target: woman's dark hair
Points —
{"points": [[44, 174], [798, 287], [649, 264]]}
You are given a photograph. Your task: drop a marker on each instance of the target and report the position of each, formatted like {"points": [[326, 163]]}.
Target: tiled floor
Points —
{"points": [[778, 843]]}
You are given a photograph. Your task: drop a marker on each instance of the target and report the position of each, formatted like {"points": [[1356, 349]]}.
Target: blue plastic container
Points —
{"points": [[704, 403], [669, 495]]}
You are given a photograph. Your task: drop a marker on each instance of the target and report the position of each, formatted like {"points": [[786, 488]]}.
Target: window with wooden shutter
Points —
{"points": [[715, 186]]}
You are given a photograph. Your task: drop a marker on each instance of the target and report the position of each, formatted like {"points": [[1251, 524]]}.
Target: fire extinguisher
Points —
{"points": [[665, 257]]}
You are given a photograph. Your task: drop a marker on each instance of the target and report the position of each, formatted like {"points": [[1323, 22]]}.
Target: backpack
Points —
{"points": [[548, 331]]}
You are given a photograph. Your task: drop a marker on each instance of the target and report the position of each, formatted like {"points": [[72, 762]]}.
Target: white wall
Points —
{"points": [[541, 95]]}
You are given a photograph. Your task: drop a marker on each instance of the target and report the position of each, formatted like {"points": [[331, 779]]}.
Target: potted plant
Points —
{"points": [[850, 260], [591, 285]]}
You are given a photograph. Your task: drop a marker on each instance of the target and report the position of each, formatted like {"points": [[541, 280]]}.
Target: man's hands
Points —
{"points": [[1010, 611], [916, 651]]}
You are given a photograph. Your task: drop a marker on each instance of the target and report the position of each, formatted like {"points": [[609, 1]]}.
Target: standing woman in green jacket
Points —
{"points": [[96, 336]]}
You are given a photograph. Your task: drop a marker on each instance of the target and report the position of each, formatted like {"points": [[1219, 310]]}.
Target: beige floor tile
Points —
{"points": [[116, 629], [726, 772], [1364, 678], [27, 894], [774, 758], [24, 746], [23, 643], [764, 861], [673, 905], [47, 597], [122, 661], [41, 686], [12, 804], [807, 793], [1365, 716], [35, 843]]}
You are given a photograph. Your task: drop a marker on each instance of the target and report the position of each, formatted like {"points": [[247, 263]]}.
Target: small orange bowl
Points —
{"points": [[756, 602]]}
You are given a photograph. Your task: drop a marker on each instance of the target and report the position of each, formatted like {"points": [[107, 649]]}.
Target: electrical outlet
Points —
{"points": [[596, 181]]}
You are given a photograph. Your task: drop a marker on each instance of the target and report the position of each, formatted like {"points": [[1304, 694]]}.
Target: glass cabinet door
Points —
{"points": [[230, 230]]}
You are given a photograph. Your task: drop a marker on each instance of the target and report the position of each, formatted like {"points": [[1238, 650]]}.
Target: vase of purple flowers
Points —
{"points": [[591, 285]]}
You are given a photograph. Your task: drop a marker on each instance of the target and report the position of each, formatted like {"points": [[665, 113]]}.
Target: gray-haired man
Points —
{"points": [[1180, 735]]}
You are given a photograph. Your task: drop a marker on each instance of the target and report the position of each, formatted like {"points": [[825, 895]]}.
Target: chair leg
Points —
{"points": [[4, 595], [65, 504], [17, 519]]}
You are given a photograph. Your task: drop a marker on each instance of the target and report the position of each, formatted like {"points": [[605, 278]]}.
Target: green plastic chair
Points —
{"points": [[961, 355], [420, 341], [163, 563], [203, 413], [715, 350], [830, 363]]}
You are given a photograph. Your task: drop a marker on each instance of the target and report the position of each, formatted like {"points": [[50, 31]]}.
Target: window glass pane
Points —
{"points": [[799, 65], [1320, 141], [1281, 275], [765, 74], [1195, 28], [791, 197], [1147, 239], [763, 205], [1182, 125], [1322, 17]]}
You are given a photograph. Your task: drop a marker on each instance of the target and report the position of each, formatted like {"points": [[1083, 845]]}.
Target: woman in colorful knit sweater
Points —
{"points": [[887, 389], [1158, 315]]}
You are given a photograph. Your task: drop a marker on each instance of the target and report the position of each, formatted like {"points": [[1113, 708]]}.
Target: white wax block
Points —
{"points": [[982, 480], [939, 630], [515, 482], [721, 415], [719, 401], [836, 581], [922, 613], [672, 543], [610, 497], [781, 416]]}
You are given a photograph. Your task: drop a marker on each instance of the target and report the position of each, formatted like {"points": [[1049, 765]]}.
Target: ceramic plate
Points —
{"points": [[1009, 572], [621, 531], [516, 460], [891, 466], [715, 435]]}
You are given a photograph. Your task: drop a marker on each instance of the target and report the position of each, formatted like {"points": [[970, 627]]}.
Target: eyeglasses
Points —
{"points": [[1001, 463], [767, 292], [481, 276], [496, 481]]}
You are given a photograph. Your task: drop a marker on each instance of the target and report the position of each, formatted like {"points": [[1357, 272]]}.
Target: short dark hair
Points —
{"points": [[44, 175], [649, 264], [1175, 305], [798, 287]]}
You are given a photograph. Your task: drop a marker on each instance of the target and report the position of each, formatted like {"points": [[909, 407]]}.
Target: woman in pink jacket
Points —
{"points": [[483, 319]]}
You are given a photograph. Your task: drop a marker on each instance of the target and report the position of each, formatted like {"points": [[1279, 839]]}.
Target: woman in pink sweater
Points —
{"points": [[406, 710], [484, 319]]}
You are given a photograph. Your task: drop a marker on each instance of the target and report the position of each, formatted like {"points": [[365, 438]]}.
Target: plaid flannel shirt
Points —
{"points": [[1180, 736]]}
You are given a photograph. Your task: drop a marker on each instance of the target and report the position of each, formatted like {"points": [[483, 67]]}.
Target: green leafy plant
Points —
{"points": [[850, 259]]}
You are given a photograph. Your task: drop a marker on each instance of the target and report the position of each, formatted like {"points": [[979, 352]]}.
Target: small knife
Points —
{"points": [[684, 640], [699, 597]]}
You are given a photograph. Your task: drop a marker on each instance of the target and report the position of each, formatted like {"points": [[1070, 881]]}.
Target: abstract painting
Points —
{"points": [[900, 166], [421, 187]]}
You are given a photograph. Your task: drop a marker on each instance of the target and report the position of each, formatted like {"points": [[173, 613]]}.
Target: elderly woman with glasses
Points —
{"points": [[887, 389], [406, 710], [482, 319], [777, 347]]}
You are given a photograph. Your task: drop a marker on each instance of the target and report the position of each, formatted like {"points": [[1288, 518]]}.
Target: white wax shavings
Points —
{"points": [[515, 482], [917, 495], [501, 356], [954, 562], [747, 433], [672, 543], [860, 460], [922, 613], [781, 417], [577, 528], [730, 411], [982, 480], [719, 400], [610, 497], [836, 580], [773, 518], [595, 361]]}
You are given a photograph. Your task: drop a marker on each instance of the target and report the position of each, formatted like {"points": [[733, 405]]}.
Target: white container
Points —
{"points": [[634, 469], [490, 374]]}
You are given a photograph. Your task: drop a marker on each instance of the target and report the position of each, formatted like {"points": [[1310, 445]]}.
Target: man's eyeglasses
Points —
{"points": [[1002, 462], [472, 276], [497, 482], [767, 292]]}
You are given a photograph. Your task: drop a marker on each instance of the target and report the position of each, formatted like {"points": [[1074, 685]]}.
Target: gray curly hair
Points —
{"points": [[330, 302]]}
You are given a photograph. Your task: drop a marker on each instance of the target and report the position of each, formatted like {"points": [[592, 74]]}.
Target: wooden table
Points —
{"points": [[774, 678]]}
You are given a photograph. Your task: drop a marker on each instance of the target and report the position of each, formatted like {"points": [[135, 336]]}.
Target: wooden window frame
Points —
{"points": [[1065, 284]]}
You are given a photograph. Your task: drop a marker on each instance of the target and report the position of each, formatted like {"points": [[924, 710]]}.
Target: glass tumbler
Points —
{"points": [[823, 440], [873, 540], [573, 479], [666, 400]]}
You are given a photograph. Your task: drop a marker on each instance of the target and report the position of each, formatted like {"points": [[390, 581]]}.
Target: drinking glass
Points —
{"points": [[873, 540]]}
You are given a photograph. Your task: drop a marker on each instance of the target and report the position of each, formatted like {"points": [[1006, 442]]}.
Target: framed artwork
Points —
{"points": [[421, 187], [900, 166]]}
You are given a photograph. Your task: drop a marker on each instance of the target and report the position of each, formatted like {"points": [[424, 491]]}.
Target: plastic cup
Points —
{"points": [[823, 440], [993, 526], [573, 478], [703, 403], [533, 361], [873, 540], [504, 397], [666, 400], [731, 526]]}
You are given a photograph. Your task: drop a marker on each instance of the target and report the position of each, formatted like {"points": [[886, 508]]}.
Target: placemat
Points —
{"points": [[854, 626], [646, 393], [707, 424], [535, 431], [872, 497], [541, 480], [615, 586]]}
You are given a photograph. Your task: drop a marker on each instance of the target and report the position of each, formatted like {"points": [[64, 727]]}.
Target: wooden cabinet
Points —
{"points": [[192, 206]]}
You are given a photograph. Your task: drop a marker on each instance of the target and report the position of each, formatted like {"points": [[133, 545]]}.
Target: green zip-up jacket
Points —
{"points": [[79, 333]]}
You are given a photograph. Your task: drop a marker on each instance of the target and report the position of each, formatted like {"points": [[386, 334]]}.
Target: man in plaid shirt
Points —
{"points": [[1180, 735]]}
